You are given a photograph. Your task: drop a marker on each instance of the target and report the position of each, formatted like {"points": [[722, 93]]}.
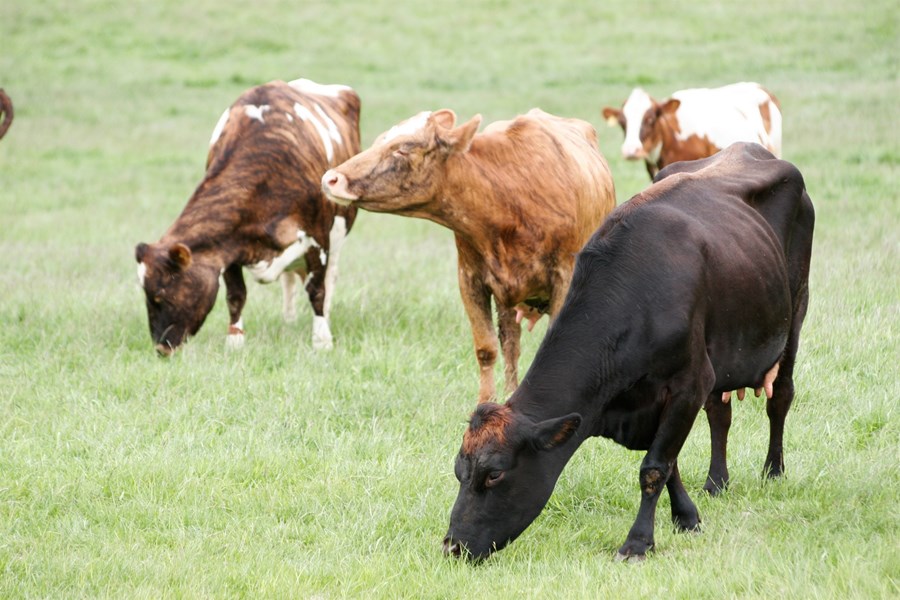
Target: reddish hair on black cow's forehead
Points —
{"points": [[487, 423]]}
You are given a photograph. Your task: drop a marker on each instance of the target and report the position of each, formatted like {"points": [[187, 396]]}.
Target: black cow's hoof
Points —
{"points": [[632, 558]]}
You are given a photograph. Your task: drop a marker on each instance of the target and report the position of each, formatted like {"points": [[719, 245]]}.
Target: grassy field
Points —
{"points": [[281, 472]]}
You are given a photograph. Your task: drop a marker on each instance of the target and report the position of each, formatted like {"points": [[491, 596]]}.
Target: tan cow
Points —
{"points": [[521, 197]]}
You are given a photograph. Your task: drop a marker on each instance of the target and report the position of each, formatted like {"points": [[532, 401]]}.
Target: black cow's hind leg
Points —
{"points": [[684, 512]]}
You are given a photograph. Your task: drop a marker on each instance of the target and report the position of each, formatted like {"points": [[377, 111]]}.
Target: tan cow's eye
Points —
{"points": [[493, 478]]}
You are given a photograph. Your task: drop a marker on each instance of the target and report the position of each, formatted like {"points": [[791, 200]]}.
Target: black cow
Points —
{"points": [[692, 289]]}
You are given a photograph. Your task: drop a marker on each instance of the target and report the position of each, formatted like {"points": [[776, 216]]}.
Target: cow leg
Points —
{"points": [[477, 302], [510, 333], [289, 296], [686, 393], [684, 511], [315, 290], [236, 297], [718, 413], [783, 393]]}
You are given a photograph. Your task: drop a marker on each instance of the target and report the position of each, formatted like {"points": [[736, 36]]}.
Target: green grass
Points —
{"points": [[280, 472]]}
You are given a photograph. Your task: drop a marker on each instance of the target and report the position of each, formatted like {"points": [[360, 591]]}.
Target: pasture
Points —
{"points": [[282, 472]]}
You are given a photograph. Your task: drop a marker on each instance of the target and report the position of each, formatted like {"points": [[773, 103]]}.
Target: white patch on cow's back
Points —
{"points": [[307, 116], [311, 87], [635, 107], [220, 125], [290, 117], [407, 127], [332, 126], [267, 271], [256, 112], [141, 273], [724, 115]]}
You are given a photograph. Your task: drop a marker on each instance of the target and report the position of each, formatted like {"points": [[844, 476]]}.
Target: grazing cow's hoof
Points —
{"points": [[234, 341], [632, 558], [714, 488]]}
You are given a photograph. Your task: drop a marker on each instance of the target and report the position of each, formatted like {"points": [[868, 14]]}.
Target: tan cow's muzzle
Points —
{"points": [[336, 188]]}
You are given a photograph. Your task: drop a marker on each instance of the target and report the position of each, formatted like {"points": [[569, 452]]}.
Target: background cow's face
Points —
{"points": [[179, 293], [507, 469], [638, 118], [404, 167]]}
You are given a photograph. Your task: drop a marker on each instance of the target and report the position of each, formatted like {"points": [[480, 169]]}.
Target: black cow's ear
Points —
{"points": [[552, 433], [180, 255], [140, 251]]}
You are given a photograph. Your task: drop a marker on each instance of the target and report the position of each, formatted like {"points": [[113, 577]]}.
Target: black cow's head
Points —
{"points": [[507, 468], [180, 292]]}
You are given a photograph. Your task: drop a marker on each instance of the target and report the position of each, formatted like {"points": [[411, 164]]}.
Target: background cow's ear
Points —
{"points": [[444, 118], [613, 116], [140, 251], [180, 255], [669, 106], [459, 139], [555, 432]]}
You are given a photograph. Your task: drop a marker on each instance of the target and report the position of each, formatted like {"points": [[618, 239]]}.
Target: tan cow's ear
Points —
{"points": [[444, 118], [460, 138], [180, 255]]}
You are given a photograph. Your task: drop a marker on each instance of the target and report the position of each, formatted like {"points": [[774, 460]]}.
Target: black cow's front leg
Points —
{"points": [[684, 512], [236, 296], [682, 399], [718, 413]]}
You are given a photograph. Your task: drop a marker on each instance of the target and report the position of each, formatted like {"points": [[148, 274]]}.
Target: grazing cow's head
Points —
{"points": [[404, 167], [507, 468], [180, 292], [638, 119]]}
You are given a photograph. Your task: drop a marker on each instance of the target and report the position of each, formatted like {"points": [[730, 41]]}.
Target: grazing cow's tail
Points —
{"points": [[6, 109]]}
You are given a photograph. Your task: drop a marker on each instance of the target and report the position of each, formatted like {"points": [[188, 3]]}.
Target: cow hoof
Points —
{"points": [[322, 344], [631, 558], [234, 341], [290, 317]]}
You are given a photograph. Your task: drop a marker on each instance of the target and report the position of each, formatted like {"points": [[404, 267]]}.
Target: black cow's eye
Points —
{"points": [[493, 478]]}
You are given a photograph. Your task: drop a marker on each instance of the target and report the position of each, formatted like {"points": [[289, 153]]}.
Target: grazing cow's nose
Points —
{"points": [[452, 548], [164, 350]]}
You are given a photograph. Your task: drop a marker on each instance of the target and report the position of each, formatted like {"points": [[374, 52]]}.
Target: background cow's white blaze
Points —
{"points": [[636, 106]]}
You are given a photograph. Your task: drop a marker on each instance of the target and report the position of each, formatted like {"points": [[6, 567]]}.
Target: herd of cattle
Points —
{"points": [[693, 289]]}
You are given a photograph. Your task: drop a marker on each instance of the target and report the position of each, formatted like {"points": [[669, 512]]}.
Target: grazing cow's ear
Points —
{"points": [[613, 116], [552, 433], [669, 106], [140, 251], [180, 255], [460, 138]]}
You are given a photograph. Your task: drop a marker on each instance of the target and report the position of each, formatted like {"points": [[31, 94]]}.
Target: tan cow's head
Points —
{"points": [[404, 167]]}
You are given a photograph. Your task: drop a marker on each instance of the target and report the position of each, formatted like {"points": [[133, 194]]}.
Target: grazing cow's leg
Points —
{"points": [[289, 295], [236, 297], [686, 393], [510, 333], [315, 289], [684, 511], [477, 302], [783, 393], [718, 413]]}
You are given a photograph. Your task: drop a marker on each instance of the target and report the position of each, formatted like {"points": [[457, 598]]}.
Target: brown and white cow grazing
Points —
{"points": [[259, 206], [6, 111], [696, 287], [696, 123], [521, 197]]}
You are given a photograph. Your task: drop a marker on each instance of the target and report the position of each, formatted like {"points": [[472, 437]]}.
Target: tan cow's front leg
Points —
{"points": [[477, 302], [510, 334]]}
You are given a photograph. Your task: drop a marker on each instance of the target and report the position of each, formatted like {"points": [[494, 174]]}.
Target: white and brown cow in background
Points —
{"points": [[521, 198], [260, 206], [696, 123]]}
